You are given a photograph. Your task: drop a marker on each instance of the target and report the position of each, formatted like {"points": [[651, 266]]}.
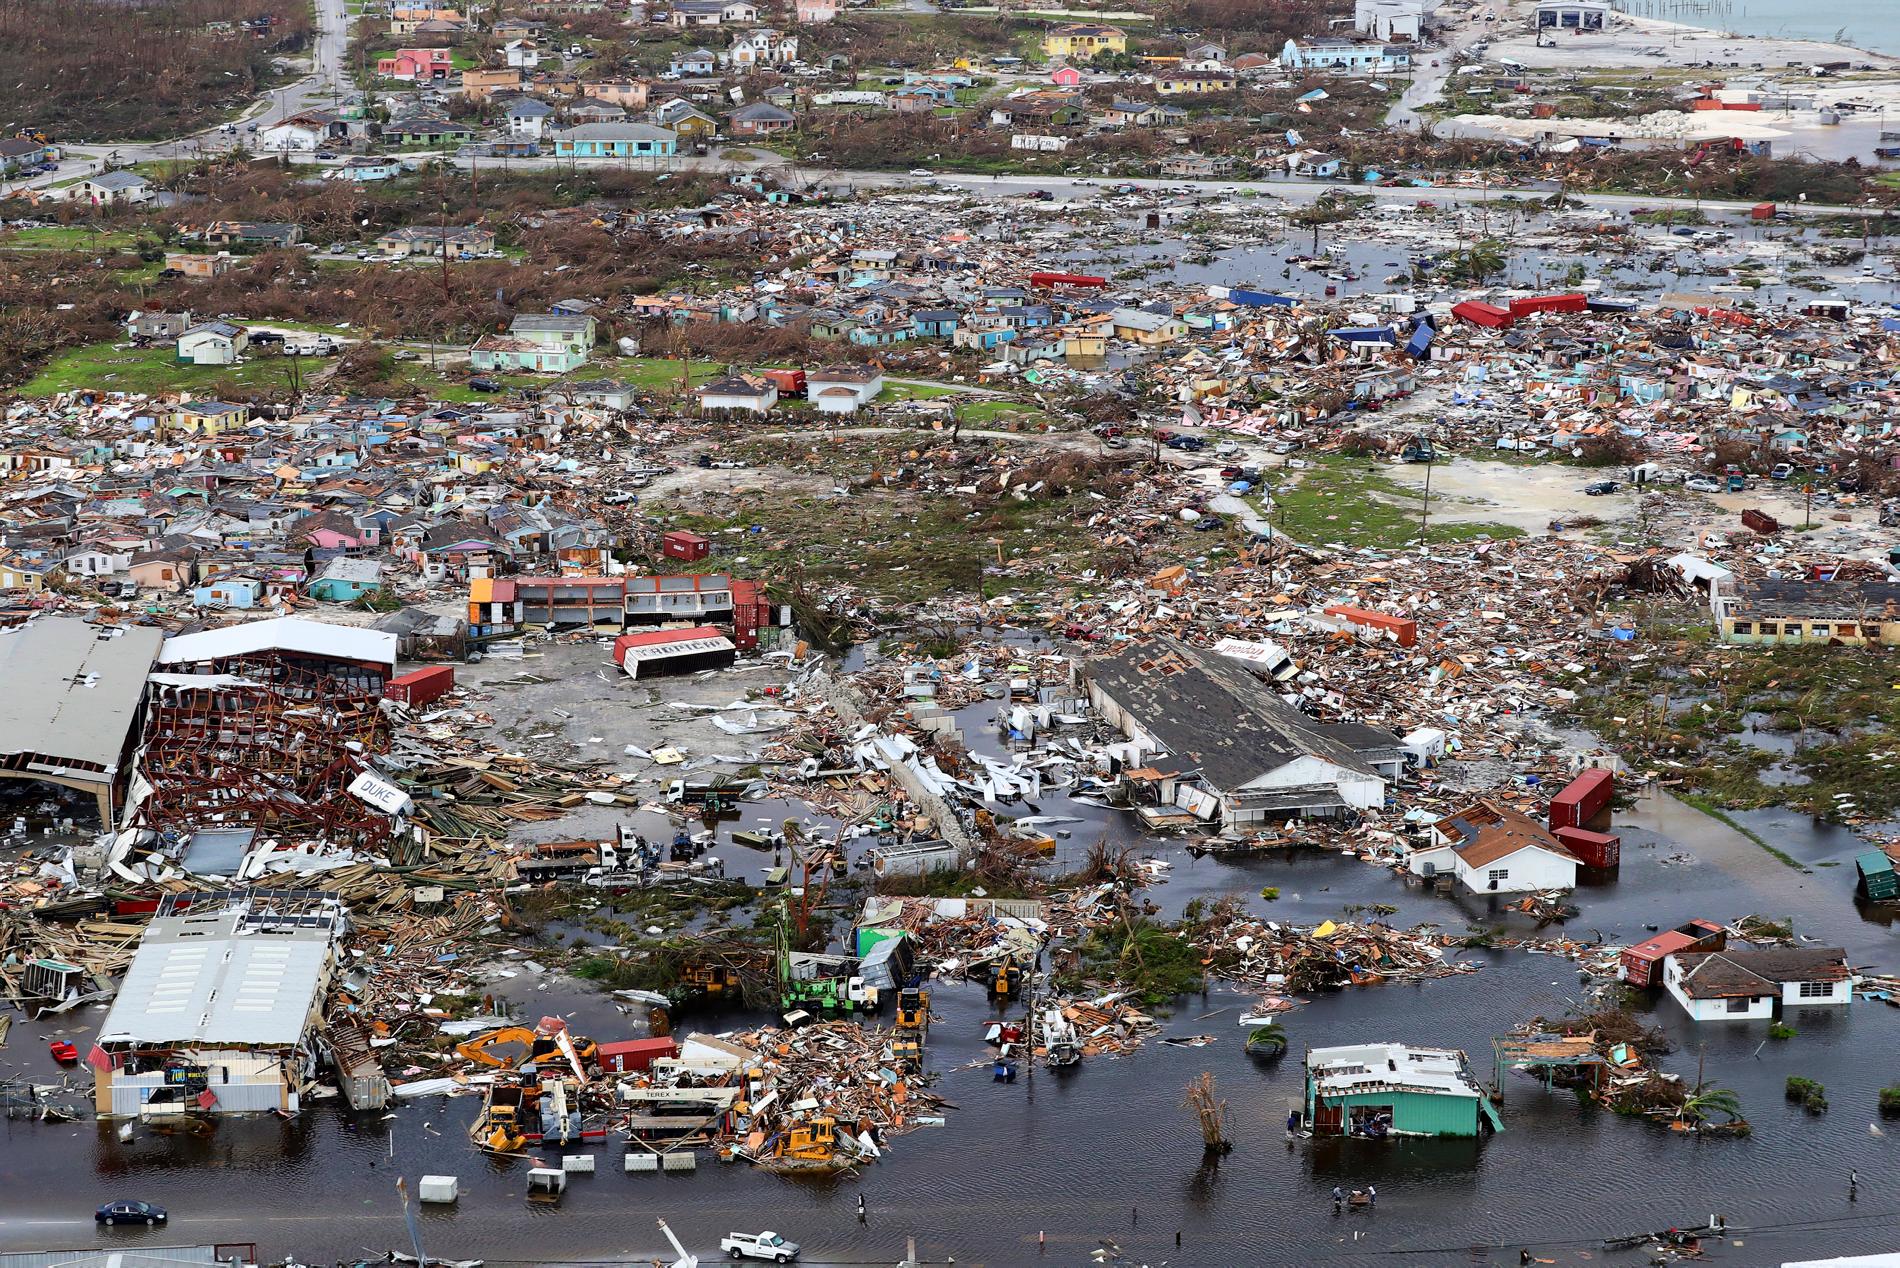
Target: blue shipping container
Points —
{"points": [[1260, 299]]}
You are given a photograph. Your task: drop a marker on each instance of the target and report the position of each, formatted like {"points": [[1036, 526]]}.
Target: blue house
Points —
{"points": [[344, 580], [228, 592], [880, 336], [616, 140], [934, 323]]}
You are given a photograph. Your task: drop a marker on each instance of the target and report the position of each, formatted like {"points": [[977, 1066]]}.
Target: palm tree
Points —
{"points": [[1326, 211], [1705, 1101], [1269, 1040]]}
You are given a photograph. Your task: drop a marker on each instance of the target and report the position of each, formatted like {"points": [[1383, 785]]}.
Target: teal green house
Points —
{"points": [[1377, 1090]]}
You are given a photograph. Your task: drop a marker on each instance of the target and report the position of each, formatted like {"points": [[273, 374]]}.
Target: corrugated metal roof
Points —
{"points": [[206, 978], [145, 1257], [71, 693]]}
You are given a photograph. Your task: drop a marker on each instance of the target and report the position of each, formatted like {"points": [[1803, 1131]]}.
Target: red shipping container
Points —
{"points": [[1593, 849], [680, 544], [1762, 211], [636, 1054], [1066, 279], [1585, 802], [789, 382], [1404, 627], [1482, 314], [420, 686], [1524, 306]]}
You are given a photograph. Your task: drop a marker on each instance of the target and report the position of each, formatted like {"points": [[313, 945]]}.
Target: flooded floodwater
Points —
{"points": [[1108, 1151]]}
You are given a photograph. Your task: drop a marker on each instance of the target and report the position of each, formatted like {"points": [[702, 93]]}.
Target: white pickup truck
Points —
{"points": [[759, 1246]]}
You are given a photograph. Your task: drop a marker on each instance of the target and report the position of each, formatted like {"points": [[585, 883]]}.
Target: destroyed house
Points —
{"points": [[218, 1011], [1787, 610], [1753, 984], [1393, 1089], [1232, 751]]}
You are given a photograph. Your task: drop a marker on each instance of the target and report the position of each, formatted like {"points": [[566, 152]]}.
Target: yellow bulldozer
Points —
{"points": [[913, 1008], [809, 1146]]}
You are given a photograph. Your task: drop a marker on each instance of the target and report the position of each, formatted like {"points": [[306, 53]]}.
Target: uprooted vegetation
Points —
{"points": [[905, 516], [87, 70], [1706, 710]]}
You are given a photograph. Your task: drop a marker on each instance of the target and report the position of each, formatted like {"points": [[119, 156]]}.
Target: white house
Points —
{"points": [[1493, 849], [761, 46], [528, 117], [1754, 984], [212, 343], [1392, 19], [94, 561], [112, 187], [521, 53], [737, 392], [1351, 57], [865, 382]]}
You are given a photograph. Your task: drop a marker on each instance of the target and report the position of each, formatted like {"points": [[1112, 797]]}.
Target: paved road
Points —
{"points": [[1080, 188], [325, 84]]}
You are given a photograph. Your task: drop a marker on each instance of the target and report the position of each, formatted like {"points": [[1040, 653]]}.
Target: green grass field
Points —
{"points": [[109, 367], [1350, 502], [66, 238]]}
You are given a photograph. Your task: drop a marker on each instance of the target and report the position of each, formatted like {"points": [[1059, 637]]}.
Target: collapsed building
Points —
{"points": [[1215, 741]]}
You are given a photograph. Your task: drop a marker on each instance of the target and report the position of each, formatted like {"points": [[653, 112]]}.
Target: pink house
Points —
{"points": [[416, 63], [1065, 77], [817, 10], [330, 539]]}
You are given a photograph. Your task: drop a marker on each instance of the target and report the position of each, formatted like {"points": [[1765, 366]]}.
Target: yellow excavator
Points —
{"points": [[537, 1047], [1009, 978]]}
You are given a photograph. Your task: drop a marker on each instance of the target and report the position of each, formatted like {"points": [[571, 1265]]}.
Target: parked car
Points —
{"points": [[921, 171], [484, 385], [129, 1212], [1782, 470], [1601, 487], [1702, 484], [767, 1245]]}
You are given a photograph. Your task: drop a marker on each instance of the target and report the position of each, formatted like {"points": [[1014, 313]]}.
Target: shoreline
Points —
{"points": [[1671, 45]]}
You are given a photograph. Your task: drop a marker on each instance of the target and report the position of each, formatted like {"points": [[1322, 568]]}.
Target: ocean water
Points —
{"points": [[1870, 24]]}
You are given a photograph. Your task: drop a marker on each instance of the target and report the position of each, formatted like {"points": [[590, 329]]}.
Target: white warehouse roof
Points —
{"points": [[284, 634]]}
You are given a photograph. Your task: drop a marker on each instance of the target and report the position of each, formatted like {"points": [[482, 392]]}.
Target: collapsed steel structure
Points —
{"points": [[271, 744]]}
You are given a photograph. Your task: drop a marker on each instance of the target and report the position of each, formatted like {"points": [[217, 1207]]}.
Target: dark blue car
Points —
{"points": [[126, 1212]]}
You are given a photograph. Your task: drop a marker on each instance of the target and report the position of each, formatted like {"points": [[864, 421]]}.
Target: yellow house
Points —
{"points": [[15, 575], [1079, 41], [1179, 83]]}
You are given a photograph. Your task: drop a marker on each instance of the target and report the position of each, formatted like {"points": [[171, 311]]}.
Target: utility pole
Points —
{"points": [[443, 224], [1425, 506]]}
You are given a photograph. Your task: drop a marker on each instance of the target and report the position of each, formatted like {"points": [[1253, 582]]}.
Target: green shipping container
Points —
{"points": [[1878, 880]]}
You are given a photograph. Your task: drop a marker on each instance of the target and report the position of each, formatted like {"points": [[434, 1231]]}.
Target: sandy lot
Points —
{"points": [[1526, 497]]}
